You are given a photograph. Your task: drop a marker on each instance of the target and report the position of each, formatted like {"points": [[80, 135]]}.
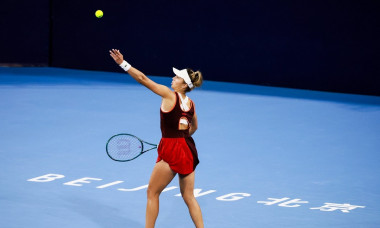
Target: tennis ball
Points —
{"points": [[99, 14]]}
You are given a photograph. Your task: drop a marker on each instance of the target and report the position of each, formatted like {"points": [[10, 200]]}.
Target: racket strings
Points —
{"points": [[124, 147]]}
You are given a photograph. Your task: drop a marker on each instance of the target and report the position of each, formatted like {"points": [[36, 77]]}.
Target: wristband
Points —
{"points": [[125, 65]]}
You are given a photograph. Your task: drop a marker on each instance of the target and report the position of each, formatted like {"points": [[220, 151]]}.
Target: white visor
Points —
{"points": [[184, 75]]}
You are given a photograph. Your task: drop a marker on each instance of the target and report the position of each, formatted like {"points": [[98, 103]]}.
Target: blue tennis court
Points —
{"points": [[269, 157]]}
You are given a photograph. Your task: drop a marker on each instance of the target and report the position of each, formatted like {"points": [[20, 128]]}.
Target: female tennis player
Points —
{"points": [[176, 152]]}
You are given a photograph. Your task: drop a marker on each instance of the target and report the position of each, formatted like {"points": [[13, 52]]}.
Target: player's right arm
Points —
{"points": [[193, 125]]}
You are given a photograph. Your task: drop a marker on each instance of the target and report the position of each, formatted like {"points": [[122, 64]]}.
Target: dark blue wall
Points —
{"points": [[24, 32], [320, 45]]}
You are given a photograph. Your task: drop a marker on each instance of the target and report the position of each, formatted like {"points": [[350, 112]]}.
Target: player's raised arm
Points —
{"points": [[140, 77]]}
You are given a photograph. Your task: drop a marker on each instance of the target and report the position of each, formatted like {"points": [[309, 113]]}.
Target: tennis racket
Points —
{"points": [[126, 147]]}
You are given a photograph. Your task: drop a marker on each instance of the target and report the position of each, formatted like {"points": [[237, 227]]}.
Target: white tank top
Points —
{"points": [[184, 107]]}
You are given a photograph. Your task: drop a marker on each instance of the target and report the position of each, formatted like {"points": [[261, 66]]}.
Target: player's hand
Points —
{"points": [[117, 56]]}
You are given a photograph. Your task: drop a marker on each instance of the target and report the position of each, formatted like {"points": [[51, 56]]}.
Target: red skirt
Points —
{"points": [[180, 153]]}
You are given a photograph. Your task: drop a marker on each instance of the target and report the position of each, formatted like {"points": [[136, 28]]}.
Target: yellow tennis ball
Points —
{"points": [[99, 14]]}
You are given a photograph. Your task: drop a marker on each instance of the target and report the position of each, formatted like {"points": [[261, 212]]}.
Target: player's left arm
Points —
{"points": [[141, 78]]}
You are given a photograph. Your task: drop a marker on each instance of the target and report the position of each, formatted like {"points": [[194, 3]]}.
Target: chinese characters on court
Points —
{"points": [[281, 202]]}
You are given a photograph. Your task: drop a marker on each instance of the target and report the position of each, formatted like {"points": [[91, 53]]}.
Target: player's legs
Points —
{"points": [[186, 183], [161, 176]]}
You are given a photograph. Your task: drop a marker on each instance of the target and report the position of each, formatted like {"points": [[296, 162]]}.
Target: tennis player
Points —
{"points": [[176, 152]]}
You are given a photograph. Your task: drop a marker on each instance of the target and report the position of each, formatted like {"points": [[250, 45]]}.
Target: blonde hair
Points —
{"points": [[195, 77]]}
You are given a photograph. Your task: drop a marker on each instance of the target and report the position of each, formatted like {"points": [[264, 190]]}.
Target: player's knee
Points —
{"points": [[188, 197], [151, 193]]}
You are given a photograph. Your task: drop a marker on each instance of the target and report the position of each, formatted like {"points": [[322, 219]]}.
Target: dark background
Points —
{"points": [[318, 45]]}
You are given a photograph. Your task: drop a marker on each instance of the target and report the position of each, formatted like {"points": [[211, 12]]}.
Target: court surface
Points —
{"points": [[269, 157]]}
